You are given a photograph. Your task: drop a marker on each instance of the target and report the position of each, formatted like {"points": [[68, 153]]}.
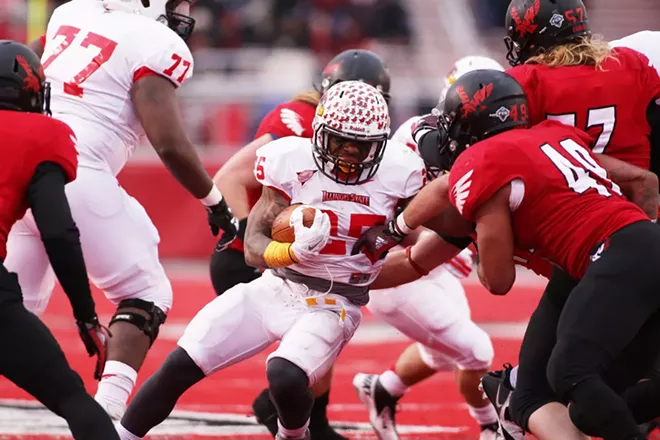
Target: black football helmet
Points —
{"points": [[182, 24], [23, 85], [480, 104], [535, 26], [356, 65]]}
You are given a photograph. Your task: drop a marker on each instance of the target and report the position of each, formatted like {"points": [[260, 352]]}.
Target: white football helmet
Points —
{"points": [[164, 11], [351, 128], [465, 65]]}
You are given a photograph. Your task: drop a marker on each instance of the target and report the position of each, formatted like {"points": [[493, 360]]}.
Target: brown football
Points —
{"points": [[282, 229]]}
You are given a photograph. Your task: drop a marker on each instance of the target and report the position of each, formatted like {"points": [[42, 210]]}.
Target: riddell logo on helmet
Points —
{"points": [[471, 105], [526, 25]]}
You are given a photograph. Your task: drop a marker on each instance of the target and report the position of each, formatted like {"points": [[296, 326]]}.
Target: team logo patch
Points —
{"points": [[341, 197], [557, 20], [461, 190], [502, 114], [292, 120]]}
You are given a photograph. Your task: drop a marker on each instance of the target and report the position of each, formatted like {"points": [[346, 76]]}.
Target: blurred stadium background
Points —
{"points": [[253, 54]]}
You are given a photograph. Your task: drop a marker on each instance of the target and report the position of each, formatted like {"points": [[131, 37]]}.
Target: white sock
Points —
{"points": [[292, 433], [125, 434], [393, 383], [115, 387], [484, 415], [513, 376]]}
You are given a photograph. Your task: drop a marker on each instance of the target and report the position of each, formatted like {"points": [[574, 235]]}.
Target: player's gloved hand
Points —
{"points": [[425, 123], [95, 337], [378, 240], [309, 241], [220, 217], [461, 265], [226, 239], [533, 262]]}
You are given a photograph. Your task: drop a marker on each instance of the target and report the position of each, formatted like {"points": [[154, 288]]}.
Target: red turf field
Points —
{"points": [[219, 407]]}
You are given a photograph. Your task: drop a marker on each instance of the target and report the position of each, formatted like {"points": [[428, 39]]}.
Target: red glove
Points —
{"points": [[95, 337], [533, 261]]}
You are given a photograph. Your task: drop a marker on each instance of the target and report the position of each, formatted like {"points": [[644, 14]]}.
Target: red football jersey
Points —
{"points": [[28, 139], [609, 104], [561, 200], [293, 118]]}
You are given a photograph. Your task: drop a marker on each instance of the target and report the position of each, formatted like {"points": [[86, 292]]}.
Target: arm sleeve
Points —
{"points": [[60, 236]]}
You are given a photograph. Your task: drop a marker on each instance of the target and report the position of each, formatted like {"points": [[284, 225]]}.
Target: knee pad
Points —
{"points": [[150, 326], [571, 362], [286, 378]]}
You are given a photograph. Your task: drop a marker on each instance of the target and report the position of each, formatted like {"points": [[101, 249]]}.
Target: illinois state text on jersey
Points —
{"points": [[609, 103], [288, 166], [92, 58], [28, 140], [561, 200]]}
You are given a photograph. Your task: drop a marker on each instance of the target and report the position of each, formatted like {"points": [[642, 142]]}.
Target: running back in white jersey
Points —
{"points": [[287, 165], [92, 58], [646, 42]]}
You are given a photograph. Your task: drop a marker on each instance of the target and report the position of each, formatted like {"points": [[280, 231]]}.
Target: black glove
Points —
{"points": [[378, 240], [220, 217], [226, 239], [95, 337]]}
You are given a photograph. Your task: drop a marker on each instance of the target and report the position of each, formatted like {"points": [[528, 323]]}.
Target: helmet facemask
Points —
{"points": [[347, 159], [180, 23]]}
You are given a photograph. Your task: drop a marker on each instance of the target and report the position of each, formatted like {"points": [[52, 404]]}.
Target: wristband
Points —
{"points": [[402, 226], [419, 269], [213, 197], [279, 255]]}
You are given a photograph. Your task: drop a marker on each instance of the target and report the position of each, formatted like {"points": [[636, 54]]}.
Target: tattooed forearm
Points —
{"points": [[638, 185], [260, 220]]}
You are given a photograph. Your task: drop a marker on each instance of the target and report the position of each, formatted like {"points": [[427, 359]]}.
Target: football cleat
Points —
{"points": [[497, 388], [380, 403]]}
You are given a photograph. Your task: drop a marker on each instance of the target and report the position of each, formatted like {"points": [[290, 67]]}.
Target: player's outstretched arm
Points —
{"points": [[406, 266], [61, 239], [496, 269], [236, 177], [157, 107], [640, 186], [260, 221], [433, 209]]}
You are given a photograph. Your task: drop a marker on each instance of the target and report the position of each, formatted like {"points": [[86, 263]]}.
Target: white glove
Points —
{"points": [[461, 265], [309, 241]]}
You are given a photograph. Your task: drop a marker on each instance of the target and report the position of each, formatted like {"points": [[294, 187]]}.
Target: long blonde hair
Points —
{"points": [[311, 97], [585, 51]]}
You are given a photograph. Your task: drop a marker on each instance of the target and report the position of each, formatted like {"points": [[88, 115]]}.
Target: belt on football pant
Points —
{"points": [[357, 295]]}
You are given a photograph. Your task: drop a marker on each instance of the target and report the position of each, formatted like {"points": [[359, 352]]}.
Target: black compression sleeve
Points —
{"points": [[60, 236]]}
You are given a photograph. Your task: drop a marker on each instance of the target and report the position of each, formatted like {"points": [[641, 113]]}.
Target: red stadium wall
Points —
{"points": [[180, 219]]}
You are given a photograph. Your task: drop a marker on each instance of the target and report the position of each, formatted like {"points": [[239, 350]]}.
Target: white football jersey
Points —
{"points": [[92, 58], [403, 134], [646, 42], [287, 165]]}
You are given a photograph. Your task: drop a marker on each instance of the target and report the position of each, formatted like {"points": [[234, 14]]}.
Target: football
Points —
{"points": [[282, 229]]}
